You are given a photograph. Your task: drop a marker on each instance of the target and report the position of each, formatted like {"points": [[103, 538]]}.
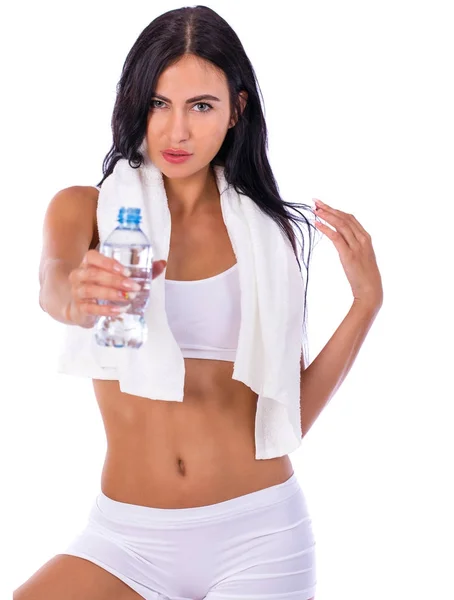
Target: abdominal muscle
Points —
{"points": [[197, 452]]}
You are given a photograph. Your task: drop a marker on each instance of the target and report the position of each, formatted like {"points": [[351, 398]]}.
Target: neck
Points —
{"points": [[188, 195]]}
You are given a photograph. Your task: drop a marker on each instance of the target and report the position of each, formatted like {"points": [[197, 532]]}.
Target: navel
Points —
{"points": [[181, 466]]}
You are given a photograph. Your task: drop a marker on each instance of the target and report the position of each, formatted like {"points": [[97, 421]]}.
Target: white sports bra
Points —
{"points": [[204, 315]]}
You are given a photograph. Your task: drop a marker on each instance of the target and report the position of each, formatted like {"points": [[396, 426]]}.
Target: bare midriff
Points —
{"points": [[201, 451]]}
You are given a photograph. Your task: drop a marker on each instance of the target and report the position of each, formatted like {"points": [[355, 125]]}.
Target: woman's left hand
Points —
{"points": [[355, 251]]}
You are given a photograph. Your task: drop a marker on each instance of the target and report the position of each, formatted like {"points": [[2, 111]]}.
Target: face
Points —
{"points": [[178, 121]]}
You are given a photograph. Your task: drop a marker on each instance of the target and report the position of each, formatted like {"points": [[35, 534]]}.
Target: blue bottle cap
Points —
{"points": [[129, 214]]}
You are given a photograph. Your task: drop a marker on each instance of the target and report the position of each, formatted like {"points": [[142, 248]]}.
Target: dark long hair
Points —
{"points": [[200, 31]]}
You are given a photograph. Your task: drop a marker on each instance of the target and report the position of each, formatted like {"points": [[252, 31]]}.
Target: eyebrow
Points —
{"points": [[189, 100]]}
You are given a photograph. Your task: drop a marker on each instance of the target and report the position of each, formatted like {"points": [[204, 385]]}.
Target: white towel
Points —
{"points": [[272, 302]]}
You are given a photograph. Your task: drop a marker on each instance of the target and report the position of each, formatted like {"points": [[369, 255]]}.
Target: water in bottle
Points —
{"points": [[128, 245]]}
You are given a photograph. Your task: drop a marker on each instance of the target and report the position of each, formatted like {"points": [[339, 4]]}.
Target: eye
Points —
{"points": [[152, 103], [204, 104]]}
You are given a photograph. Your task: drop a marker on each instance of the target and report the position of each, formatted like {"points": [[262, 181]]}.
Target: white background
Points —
{"points": [[359, 104]]}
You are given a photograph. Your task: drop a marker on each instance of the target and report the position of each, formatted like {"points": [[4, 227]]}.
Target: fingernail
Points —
{"points": [[127, 295], [131, 285]]}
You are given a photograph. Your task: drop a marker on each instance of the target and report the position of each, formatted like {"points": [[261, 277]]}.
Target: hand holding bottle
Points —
{"points": [[99, 277]]}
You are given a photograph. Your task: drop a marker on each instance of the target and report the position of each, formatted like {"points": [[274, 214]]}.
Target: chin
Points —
{"points": [[180, 171], [175, 171]]}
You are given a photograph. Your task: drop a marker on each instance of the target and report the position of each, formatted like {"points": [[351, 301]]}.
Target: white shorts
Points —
{"points": [[257, 546]]}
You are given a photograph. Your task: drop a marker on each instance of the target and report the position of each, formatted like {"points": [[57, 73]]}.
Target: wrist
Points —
{"points": [[55, 293], [370, 306]]}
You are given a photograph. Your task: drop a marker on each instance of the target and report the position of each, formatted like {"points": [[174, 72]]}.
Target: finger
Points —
{"points": [[342, 225], [358, 229], [359, 232], [95, 258], [337, 239], [158, 267], [95, 309], [97, 292], [107, 279]]}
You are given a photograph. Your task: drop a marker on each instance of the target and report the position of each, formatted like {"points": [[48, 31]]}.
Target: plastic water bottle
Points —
{"points": [[130, 246]]}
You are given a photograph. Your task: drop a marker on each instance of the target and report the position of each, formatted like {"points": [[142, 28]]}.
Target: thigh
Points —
{"points": [[67, 577], [267, 552]]}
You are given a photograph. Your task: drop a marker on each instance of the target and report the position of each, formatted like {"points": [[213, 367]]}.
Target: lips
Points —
{"points": [[177, 152], [175, 159]]}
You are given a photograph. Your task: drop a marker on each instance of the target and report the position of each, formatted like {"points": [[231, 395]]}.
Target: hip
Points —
{"points": [[252, 545]]}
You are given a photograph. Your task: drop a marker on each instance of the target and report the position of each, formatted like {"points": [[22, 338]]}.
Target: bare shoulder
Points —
{"points": [[79, 191], [74, 208], [89, 194]]}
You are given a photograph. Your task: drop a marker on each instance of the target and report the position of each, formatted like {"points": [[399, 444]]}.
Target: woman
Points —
{"points": [[185, 509]]}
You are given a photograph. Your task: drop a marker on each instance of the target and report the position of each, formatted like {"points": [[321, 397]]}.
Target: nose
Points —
{"points": [[178, 126]]}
